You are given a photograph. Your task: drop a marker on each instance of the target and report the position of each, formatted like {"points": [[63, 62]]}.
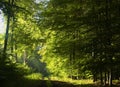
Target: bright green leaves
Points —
{"points": [[82, 28], [68, 32]]}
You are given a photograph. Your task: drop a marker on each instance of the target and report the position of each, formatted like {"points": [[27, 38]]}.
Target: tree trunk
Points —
{"points": [[24, 57], [6, 34], [12, 43], [16, 56], [101, 77], [70, 68], [105, 79], [7, 29], [110, 78], [94, 77]]}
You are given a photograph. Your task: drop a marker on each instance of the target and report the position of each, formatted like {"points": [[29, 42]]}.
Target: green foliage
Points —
{"points": [[34, 76], [68, 38], [83, 32], [11, 73]]}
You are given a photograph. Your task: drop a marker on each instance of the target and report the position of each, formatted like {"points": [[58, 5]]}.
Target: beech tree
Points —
{"points": [[89, 27]]}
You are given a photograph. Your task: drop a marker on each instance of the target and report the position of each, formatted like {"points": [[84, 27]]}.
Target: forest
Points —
{"points": [[60, 43]]}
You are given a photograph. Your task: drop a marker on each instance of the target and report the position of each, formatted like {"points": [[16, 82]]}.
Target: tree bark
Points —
{"points": [[105, 79], [94, 77], [101, 77], [110, 78], [16, 56], [7, 31], [24, 57]]}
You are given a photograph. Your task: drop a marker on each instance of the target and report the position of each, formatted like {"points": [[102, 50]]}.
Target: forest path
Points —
{"points": [[53, 83], [48, 83]]}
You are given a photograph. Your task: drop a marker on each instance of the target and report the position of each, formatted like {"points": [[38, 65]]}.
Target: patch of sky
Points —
{"points": [[2, 23]]}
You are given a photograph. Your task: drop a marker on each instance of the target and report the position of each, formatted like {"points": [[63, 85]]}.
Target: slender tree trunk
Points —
{"points": [[70, 63], [78, 73], [12, 42], [101, 78], [7, 31], [105, 79], [24, 57], [94, 77], [109, 37], [16, 56], [74, 48], [110, 78]]}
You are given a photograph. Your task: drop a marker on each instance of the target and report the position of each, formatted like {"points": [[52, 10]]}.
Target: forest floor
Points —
{"points": [[52, 83]]}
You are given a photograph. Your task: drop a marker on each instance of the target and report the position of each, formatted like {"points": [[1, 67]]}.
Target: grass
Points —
{"points": [[76, 82], [51, 83], [34, 76], [35, 80]]}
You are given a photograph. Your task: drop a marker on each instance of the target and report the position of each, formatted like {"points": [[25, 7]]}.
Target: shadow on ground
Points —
{"points": [[45, 83]]}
